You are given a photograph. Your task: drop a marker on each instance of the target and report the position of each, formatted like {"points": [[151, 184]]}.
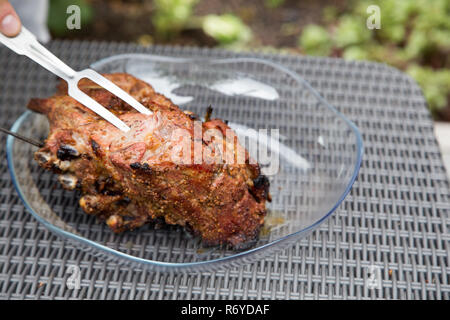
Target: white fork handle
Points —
{"points": [[26, 44]]}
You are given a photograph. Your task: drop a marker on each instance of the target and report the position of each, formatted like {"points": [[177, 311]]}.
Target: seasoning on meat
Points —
{"points": [[129, 179]]}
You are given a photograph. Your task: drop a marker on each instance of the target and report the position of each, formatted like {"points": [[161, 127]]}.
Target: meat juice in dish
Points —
{"points": [[152, 173]]}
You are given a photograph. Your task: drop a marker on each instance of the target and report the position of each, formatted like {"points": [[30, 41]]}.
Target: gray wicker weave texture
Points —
{"points": [[394, 223]]}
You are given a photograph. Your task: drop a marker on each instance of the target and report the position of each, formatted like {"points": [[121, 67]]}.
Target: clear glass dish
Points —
{"points": [[317, 159]]}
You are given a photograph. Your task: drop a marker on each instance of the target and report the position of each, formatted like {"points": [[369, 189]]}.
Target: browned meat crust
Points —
{"points": [[129, 179]]}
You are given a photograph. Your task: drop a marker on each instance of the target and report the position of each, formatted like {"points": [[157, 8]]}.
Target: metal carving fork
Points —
{"points": [[26, 44]]}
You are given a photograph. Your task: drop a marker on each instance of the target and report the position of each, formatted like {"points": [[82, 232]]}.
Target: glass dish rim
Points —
{"points": [[68, 235]]}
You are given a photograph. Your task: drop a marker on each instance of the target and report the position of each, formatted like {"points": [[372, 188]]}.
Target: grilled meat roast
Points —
{"points": [[129, 179]]}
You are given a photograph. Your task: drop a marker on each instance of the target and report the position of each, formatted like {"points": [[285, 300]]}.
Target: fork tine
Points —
{"points": [[90, 103], [114, 89]]}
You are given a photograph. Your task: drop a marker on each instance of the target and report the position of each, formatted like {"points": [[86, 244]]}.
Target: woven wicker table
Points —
{"points": [[392, 226]]}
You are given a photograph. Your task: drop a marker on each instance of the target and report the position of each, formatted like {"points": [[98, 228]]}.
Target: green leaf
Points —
{"points": [[435, 85], [350, 31], [417, 43], [171, 16], [227, 29], [315, 40], [355, 53]]}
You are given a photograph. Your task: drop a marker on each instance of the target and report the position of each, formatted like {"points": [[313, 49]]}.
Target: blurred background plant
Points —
{"points": [[227, 29], [414, 34], [414, 37], [172, 16]]}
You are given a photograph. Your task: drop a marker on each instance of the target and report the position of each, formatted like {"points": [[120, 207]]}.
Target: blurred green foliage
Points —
{"points": [[434, 84], [414, 36], [228, 30], [57, 15], [172, 16], [316, 40]]}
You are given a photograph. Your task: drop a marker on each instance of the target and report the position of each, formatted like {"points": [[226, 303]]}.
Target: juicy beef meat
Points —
{"points": [[151, 172]]}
